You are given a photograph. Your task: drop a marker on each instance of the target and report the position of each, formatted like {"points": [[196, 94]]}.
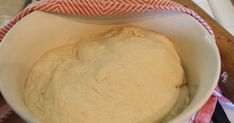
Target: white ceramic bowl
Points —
{"points": [[39, 32]]}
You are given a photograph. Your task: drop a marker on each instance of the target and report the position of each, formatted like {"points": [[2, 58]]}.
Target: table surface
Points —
{"points": [[225, 42]]}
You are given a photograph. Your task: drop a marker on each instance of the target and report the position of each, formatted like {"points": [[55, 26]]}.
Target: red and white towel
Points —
{"points": [[107, 8]]}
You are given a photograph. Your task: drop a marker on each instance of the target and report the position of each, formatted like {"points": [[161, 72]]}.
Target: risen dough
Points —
{"points": [[127, 75]]}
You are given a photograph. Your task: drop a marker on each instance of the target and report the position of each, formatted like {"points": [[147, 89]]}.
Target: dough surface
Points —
{"points": [[127, 75]]}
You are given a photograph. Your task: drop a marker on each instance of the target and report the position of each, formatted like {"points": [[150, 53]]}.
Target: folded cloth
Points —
{"points": [[113, 7], [205, 113], [5, 110]]}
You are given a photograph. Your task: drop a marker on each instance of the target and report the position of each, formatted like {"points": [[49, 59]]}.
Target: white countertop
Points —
{"points": [[204, 4], [9, 8], [224, 13], [221, 10]]}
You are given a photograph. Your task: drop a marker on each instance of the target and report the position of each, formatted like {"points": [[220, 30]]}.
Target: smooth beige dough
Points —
{"points": [[127, 75]]}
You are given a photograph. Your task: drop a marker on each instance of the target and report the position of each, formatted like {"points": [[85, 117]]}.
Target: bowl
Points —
{"points": [[39, 31]]}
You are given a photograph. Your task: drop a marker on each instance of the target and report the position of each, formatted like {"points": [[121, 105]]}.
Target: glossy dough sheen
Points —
{"points": [[127, 75]]}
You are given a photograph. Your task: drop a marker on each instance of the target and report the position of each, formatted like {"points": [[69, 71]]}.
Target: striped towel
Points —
{"points": [[5, 110], [107, 8]]}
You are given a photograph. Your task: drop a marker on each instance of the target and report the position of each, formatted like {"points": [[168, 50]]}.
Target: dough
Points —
{"points": [[127, 75]]}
